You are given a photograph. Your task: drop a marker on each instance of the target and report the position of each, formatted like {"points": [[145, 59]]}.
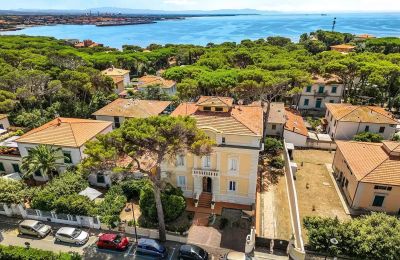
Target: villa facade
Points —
{"points": [[120, 78], [229, 173]]}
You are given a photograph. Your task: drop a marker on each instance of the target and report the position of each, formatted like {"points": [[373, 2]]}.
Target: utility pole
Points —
{"points": [[333, 24]]}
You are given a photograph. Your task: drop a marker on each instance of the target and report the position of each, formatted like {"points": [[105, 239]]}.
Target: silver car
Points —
{"points": [[33, 228], [237, 256], [72, 236]]}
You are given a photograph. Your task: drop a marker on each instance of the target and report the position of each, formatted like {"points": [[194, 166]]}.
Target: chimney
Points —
{"points": [[59, 121]]}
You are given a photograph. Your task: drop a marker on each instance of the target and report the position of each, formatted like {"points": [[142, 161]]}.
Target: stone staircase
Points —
{"points": [[205, 200]]}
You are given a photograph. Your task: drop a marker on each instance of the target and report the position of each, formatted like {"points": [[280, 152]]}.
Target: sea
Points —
{"points": [[218, 29]]}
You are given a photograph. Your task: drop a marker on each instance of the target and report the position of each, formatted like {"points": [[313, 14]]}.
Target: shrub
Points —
{"points": [[12, 191], [172, 200], [314, 122], [74, 204], [132, 188], [366, 237], [21, 253], [368, 137], [66, 184], [277, 162], [273, 145], [110, 208]]}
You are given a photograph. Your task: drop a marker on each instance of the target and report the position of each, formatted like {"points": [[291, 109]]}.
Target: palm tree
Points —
{"points": [[42, 158]]}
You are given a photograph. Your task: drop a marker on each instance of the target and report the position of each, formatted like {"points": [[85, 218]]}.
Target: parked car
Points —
{"points": [[192, 252], [113, 242], [33, 228], [71, 235], [237, 256], [151, 247]]}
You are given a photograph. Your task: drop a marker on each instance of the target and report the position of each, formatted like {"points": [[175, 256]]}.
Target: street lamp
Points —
{"points": [[134, 221]]}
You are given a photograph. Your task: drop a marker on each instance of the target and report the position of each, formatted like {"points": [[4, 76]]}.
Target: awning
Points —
{"points": [[91, 193]]}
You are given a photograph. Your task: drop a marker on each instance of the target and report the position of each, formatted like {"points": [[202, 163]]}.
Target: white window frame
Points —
{"points": [[232, 170], [180, 160], [179, 183], [206, 162], [235, 186]]}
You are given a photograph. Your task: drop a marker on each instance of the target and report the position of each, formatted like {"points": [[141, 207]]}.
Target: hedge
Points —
{"points": [[22, 253]]}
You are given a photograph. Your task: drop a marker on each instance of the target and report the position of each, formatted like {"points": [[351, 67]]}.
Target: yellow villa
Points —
{"points": [[229, 174]]}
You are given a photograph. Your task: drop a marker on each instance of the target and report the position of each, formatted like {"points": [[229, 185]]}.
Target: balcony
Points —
{"points": [[205, 173], [321, 94]]}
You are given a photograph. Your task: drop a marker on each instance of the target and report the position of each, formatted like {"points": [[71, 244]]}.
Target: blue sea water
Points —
{"points": [[202, 30]]}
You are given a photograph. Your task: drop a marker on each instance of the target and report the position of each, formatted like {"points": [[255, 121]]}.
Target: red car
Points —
{"points": [[113, 242]]}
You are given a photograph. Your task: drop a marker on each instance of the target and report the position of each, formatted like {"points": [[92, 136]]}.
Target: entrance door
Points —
{"points": [[207, 184], [318, 103]]}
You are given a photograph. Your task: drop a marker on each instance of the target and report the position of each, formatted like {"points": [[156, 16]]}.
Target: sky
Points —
{"points": [[177, 5]]}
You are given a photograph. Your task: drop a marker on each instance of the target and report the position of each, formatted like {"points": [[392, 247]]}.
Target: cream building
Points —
{"points": [[229, 173], [4, 123], [369, 174], [344, 121], [120, 77], [167, 86]]}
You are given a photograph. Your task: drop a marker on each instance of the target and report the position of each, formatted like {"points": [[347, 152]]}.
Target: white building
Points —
{"points": [[321, 92], [344, 121], [121, 109], [10, 158], [69, 134], [295, 131], [276, 119], [120, 77], [4, 123], [147, 81]]}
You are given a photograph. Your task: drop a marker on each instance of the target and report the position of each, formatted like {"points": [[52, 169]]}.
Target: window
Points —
{"points": [[367, 128], [378, 201], [219, 109], [321, 89], [1, 126], [346, 183], [332, 101], [206, 161], [16, 167], [223, 140], [308, 89], [380, 187], [306, 102], [67, 157], [100, 178], [233, 164], [232, 185], [117, 123], [334, 123], [381, 129], [182, 181], [273, 127], [180, 160], [2, 167], [207, 108], [334, 89]]}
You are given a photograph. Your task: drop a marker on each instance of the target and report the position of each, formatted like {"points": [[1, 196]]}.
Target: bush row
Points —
{"points": [[21, 253]]}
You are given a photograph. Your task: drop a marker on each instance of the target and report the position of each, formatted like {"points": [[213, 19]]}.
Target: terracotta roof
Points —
{"points": [[133, 108], [343, 46], [114, 72], [151, 80], [326, 79], [366, 114], [212, 101], [294, 122], [277, 113], [372, 162], [365, 36], [70, 132], [240, 120], [2, 116]]}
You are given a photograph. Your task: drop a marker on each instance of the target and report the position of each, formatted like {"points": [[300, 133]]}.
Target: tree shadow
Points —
{"points": [[267, 176]]}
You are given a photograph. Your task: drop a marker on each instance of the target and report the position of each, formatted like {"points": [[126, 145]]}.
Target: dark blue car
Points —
{"points": [[151, 247]]}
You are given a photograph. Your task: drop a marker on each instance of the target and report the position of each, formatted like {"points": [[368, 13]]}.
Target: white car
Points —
{"points": [[237, 256], [72, 236], [33, 228]]}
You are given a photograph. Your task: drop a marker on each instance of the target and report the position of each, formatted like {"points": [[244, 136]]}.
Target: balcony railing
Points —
{"points": [[205, 172], [321, 94]]}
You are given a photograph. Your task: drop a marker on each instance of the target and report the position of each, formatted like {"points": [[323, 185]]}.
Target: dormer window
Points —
{"points": [[219, 109], [207, 108]]}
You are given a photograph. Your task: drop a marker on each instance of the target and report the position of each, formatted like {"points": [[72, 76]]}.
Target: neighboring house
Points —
{"points": [[322, 91], [121, 109], [119, 76], [10, 158], [295, 131], [87, 44], [343, 48], [167, 86], [4, 123], [369, 174], [70, 134], [229, 173], [276, 120], [363, 37], [344, 121]]}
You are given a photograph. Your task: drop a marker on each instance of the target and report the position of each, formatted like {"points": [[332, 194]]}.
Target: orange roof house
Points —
{"points": [[168, 86], [295, 130], [343, 48], [369, 174], [120, 77]]}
